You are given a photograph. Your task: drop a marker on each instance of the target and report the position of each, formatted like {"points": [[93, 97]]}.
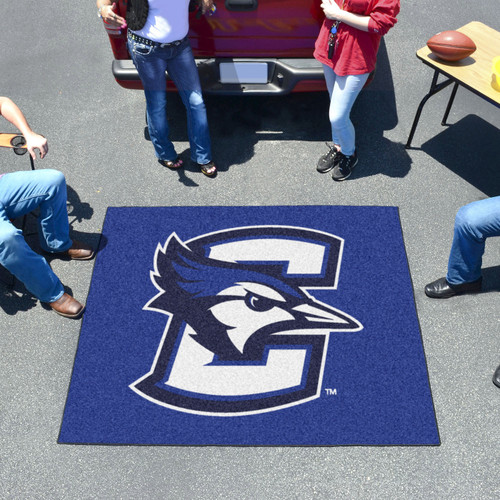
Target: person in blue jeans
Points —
{"points": [[474, 224], [23, 192], [157, 42]]}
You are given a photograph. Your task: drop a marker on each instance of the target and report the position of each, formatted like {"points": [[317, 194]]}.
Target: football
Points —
{"points": [[451, 45]]}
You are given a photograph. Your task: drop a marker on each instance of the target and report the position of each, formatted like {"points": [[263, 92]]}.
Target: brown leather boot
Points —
{"points": [[79, 251], [67, 306]]}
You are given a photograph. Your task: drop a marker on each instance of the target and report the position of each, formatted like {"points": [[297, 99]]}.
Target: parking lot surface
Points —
{"points": [[56, 65]]}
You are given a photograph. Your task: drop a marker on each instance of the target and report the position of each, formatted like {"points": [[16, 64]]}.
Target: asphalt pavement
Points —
{"points": [[56, 65]]}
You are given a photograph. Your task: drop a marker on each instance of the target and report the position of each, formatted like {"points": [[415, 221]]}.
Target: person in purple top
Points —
{"points": [[23, 192]]}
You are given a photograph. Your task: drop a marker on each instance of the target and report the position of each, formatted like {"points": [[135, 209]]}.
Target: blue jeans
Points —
{"points": [[20, 193], [343, 92], [473, 224], [151, 63]]}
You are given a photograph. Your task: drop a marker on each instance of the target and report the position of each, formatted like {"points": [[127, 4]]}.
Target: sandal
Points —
{"points": [[175, 164], [209, 169]]}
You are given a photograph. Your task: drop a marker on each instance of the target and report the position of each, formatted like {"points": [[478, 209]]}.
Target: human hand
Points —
{"points": [[36, 141], [206, 6], [332, 10], [110, 17]]}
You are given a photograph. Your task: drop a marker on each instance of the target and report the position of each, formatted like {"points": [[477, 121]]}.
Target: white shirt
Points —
{"points": [[168, 21]]}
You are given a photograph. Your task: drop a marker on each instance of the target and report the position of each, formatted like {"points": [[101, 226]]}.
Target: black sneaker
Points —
{"points": [[328, 161], [344, 167]]}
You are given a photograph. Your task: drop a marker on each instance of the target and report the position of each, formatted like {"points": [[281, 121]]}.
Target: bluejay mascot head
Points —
{"points": [[234, 308]]}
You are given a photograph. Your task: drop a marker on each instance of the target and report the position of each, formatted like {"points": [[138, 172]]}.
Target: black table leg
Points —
{"points": [[435, 88], [450, 104]]}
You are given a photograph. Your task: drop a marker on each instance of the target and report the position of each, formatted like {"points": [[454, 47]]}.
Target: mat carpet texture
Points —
{"points": [[291, 325]]}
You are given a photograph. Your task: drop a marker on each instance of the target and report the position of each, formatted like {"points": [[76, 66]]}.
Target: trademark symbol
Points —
{"points": [[331, 392]]}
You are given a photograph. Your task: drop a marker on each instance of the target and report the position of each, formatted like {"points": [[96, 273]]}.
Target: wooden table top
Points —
{"points": [[475, 71]]}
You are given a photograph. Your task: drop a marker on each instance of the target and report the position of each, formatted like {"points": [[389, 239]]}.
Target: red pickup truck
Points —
{"points": [[247, 47]]}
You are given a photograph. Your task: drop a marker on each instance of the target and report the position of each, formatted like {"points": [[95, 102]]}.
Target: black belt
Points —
{"points": [[147, 41]]}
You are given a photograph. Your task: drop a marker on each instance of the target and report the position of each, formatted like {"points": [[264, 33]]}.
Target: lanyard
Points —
{"points": [[332, 42]]}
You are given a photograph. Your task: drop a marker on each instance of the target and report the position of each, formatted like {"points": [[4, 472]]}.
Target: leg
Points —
{"points": [[332, 158], [151, 68], [27, 266], [20, 193], [159, 132], [183, 71], [345, 91], [474, 223], [330, 77], [23, 192]]}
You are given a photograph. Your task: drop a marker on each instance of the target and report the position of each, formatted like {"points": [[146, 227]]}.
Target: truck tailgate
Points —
{"points": [[258, 28], [246, 47]]}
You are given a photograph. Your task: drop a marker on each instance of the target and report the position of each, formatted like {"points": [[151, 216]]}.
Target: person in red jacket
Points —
{"points": [[347, 47]]}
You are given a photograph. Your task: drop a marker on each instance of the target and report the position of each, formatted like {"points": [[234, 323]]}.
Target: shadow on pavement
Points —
{"points": [[238, 123], [469, 148], [15, 300], [491, 279], [373, 113]]}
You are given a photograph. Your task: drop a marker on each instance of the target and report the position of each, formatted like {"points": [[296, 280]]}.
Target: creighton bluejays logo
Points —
{"points": [[244, 335]]}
